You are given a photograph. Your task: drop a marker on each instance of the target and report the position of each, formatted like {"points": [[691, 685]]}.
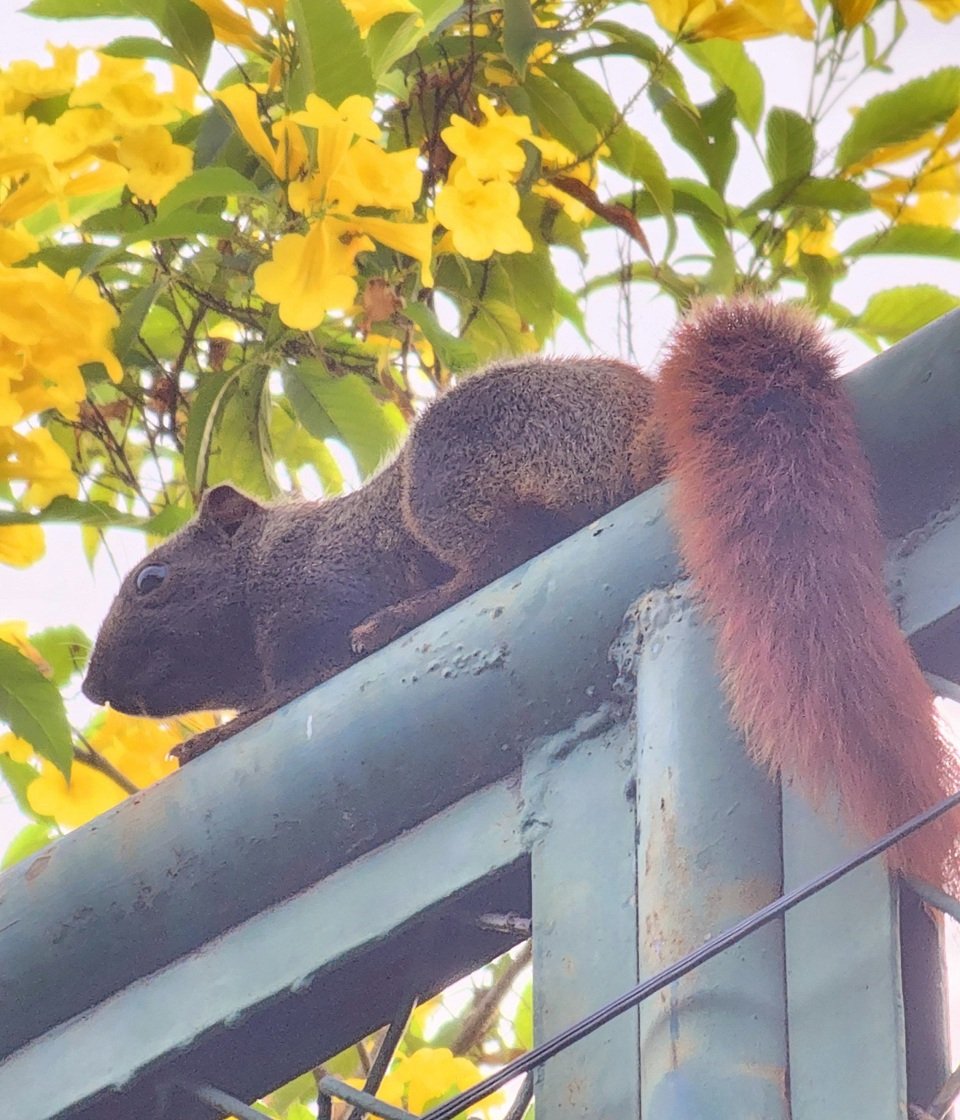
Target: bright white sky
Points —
{"points": [[62, 589]]}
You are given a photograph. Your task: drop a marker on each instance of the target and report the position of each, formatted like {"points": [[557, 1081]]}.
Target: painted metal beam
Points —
{"points": [[442, 713]]}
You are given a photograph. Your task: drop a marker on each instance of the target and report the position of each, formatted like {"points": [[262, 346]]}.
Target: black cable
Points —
{"points": [[553, 1046]]}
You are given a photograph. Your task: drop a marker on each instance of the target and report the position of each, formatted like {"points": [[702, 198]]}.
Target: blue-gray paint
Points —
{"points": [[580, 822], [714, 1043]]}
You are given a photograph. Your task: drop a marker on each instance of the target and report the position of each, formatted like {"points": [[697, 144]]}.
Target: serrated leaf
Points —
{"points": [[901, 114], [65, 649], [27, 842], [520, 33], [208, 182], [921, 241], [897, 312], [730, 67], [333, 63], [638, 45], [790, 145], [344, 408], [822, 194], [33, 709]]}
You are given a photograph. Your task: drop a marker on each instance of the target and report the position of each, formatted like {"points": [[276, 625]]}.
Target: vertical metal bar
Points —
{"points": [[845, 1004], [581, 825], [714, 1043]]}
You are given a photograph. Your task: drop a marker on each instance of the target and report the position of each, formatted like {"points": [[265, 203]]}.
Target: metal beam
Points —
{"points": [[440, 714]]}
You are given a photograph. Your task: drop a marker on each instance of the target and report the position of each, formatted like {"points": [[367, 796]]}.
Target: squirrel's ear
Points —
{"points": [[227, 508]]}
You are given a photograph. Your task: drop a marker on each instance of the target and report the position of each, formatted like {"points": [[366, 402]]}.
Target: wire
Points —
{"points": [[556, 1045]]}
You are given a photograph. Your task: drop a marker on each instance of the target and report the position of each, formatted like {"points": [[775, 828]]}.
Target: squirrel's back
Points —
{"points": [[773, 503]]}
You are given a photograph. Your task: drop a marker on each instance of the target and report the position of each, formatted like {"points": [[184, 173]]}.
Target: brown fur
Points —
{"points": [[773, 500], [773, 506]]}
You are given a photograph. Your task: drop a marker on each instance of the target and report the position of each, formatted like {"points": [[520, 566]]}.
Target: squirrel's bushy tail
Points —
{"points": [[774, 507]]}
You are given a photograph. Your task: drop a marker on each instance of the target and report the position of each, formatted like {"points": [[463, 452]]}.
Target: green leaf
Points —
{"points": [[33, 709], [453, 352], [204, 413], [208, 182], [240, 450], [64, 648], [819, 194], [633, 154], [186, 27], [97, 514], [333, 63], [139, 46], [790, 145], [81, 9], [183, 223], [395, 37], [28, 841], [132, 316], [343, 408], [730, 67], [638, 45], [897, 312], [921, 241], [559, 114], [520, 33], [17, 777], [523, 1020], [901, 114]]}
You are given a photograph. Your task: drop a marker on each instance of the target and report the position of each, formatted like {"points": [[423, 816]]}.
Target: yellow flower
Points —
{"points": [[21, 545], [229, 26], [19, 750], [388, 180], [483, 218], [76, 131], [137, 747], [128, 90], [490, 150], [414, 239], [355, 113], [33, 457], [931, 198], [428, 1076], [738, 19], [812, 242], [944, 10], [556, 156], [24, 82], [291, 157], [368, 12], [15, 244], [313, 274], [853, 12], [155, 163]]}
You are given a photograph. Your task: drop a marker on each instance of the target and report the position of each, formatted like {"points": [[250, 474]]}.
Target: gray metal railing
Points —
{"points": [[283, 895]]}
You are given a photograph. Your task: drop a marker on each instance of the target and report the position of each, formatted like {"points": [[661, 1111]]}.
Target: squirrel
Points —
{"points": [[252, 604]]}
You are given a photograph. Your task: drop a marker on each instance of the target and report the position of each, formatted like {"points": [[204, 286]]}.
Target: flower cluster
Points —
{"points": [[112, 133], [479, 203], [334, 170]]}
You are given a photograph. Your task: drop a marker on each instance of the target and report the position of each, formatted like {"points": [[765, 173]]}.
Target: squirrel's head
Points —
{"points": [[178, 636]]}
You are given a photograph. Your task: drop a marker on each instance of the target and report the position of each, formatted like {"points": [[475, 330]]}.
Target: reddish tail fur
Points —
{"points": [[773, 501]]}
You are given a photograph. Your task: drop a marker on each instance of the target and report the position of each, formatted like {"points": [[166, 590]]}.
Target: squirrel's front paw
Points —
{"points": [[379, 630], [196, 745]]}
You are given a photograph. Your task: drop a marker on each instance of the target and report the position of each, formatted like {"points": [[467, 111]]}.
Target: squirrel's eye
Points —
{"points": [[150, 577]]}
